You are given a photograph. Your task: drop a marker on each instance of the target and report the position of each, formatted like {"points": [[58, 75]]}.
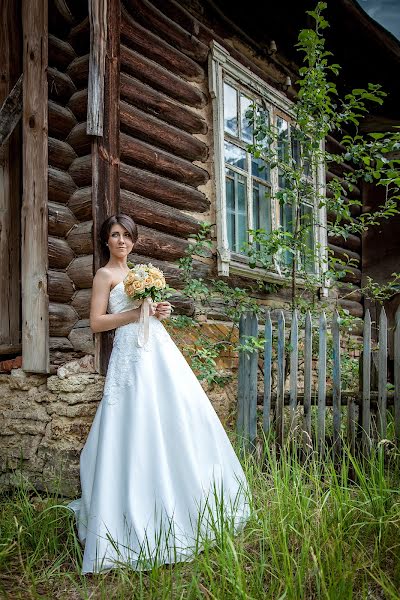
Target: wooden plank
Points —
{"points": [[105, 161], [307, 439], [366, 385], [351, 425], [267, 374], [382, 375], [294, 367], [252, 383], [11, 111], [98, 44], [337, 389], [281, 379], [242, 380], [35, 315], [396, 367], [321, 384]]}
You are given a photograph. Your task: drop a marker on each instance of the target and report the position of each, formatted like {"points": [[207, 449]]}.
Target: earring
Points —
{"points": [[107, 245]]}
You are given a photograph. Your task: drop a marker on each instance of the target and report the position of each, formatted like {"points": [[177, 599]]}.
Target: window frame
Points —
{"points": [[222, 66]]}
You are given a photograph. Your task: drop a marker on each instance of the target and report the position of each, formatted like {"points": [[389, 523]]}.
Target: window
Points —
{"points": [[246, 186]]}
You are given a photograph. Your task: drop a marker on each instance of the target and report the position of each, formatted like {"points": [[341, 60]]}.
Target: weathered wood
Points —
{"points": [[382, 374], [161, 189], [81, 204], [337, 384], [152, 18], [10, 111], [348, 291], [396, 368], [60, 343], [161, 79], [355, 308], [80, 238], [247, 396], [307, 439], [60, 286], [61, 53], [79, 140], [35, 331], [351, 425], [242, 397], [321, 384], [150, 129], [61, 186], [351, 242], [333, 146], [78, 70], [63, 9], [62, 318], [166, 218], [267, 373], [81, 170], [97, 65], [81, 303], [280, 380], [142, 154], [78, 104], [253, 368], [60, 254], [345, 255], [81, 271], [61, 154], [61, 120], [159, 245], [61, 86], [366, 385], [294, 363], [61, 219], [351, 188], [79, 37], [82, 339], [153, 47], [159, 105], [352, 275]]}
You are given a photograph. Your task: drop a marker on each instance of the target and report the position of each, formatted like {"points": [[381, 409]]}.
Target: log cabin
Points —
{"points": [[135, 106]]}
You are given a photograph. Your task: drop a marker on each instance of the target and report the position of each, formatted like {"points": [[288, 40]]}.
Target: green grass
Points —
{"points": [[313, 533]]}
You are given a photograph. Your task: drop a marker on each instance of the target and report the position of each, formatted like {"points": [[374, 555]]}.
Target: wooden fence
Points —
{"points": [[367, 408]]}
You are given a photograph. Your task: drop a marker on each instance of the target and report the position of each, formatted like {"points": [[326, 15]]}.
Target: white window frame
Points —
{"points": [[221, 63]]}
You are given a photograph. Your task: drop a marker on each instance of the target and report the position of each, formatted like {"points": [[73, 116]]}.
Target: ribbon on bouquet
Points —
{"points": [[144, 326]]}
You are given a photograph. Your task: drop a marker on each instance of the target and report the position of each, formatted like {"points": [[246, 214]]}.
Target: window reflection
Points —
{"points": [[230, 110]]}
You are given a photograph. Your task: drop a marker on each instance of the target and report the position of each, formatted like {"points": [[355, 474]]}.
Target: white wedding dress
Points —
{"points": [[159, 475]]}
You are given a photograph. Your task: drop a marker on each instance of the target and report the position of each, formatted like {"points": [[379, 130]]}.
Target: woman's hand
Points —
{"points": [[163, 310]]}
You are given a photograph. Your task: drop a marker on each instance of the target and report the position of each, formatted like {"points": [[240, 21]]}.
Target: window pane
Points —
{"points": [[241, 213], [236, 210], [230, 209], [307, 225], [261, 207], [246, 128], [235, 156], [230, 110], [287, 225], [283, 148], [259, 168], [296, 147]]}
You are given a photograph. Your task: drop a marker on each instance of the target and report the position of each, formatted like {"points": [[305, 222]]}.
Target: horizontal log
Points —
{"points": [[153, 47], [347, 291], [81, 303], [352, 189], [161, 79], [340, 169], [81, 204], [60, 287], [352, 242], [10, 112], [165, 218], [150, 17], [172, 272], [142, 154], [62, 318], [150, 129], [59, 253], [61, 120], [61, 219], [80, 238], [60, 343], [159, 245], [60, 85], [60, 153], [61, 53], [332, 145], [161, 189], [61, 186], [352, 275], [182, 305], [78, 70], [79, 139], [82, 340], [81, 271], [79, 37], [81, 171], [355, 308], [78, 104], [344, 254], [159, 105]]}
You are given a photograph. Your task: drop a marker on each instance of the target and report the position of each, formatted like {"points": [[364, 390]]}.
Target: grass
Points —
{"points": [[313, 533]]}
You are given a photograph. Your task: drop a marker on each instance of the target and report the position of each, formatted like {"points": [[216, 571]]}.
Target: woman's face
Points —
{"points": [[120, 242]]}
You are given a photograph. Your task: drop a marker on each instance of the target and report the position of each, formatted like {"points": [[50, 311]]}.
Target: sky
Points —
{"points": [[385, 12]]}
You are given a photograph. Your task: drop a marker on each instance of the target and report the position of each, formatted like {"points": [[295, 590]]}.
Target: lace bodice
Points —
{"points": [[119, 301]]}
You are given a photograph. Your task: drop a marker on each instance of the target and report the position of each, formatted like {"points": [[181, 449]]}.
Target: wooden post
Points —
{"points": [[280, 399], [97, 63], [366, 385], [397, 376], [337, 386], [267, 373], [294, 367], [382, 374], [35, 320], [105, 157], [307, 439], [321, 384]]}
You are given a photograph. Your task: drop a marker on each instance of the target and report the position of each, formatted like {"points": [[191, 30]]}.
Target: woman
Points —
{"points": [[157, 470]]}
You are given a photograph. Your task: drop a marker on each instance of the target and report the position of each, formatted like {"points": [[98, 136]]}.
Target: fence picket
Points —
{"points": [[242, 377], [267, 373], [382, 374], [280, 400], [366, 385], [321, 383], [337, 391], [253, 331], [294, 366], [307, 439], [397, 376]]}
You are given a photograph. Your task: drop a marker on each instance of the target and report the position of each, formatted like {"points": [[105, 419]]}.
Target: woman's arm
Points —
{"points": [[99, 319]]}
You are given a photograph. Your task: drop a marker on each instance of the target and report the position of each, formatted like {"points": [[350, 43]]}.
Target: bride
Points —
{"points": [[158, 473]]}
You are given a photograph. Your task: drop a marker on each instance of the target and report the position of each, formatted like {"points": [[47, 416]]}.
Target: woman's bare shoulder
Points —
{"points": [[104, 276]]}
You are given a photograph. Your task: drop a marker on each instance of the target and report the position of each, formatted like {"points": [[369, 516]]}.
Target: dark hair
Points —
{"points": [[125, 221]]}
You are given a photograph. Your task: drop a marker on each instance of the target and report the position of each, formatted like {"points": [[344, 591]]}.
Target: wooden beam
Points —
{"points": [[35, 315], [11, 111], [98, 43]]}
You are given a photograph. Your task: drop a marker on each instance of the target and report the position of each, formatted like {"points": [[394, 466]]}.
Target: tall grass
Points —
{"points": [[313, 533]]}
